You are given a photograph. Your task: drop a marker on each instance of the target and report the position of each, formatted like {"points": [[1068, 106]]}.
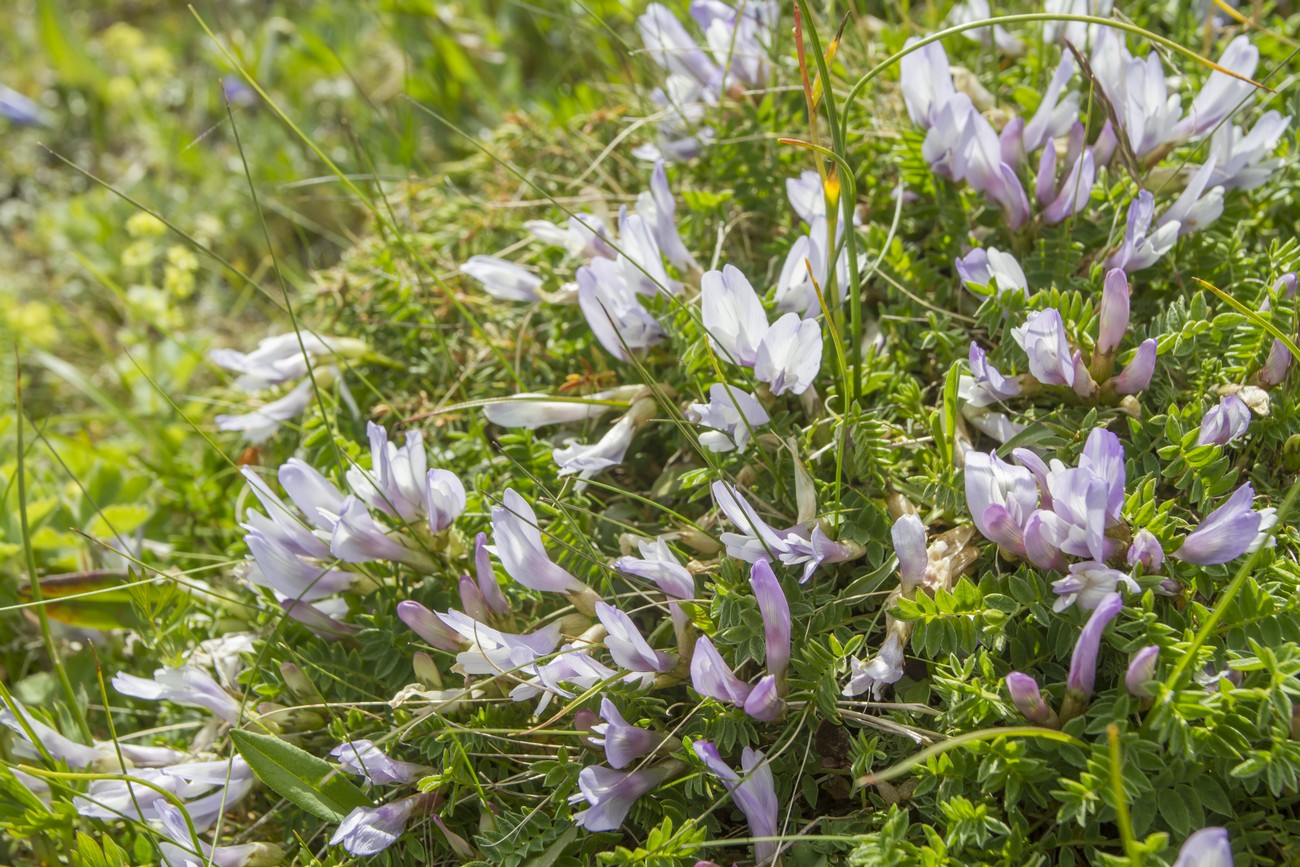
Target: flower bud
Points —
{"points": [[297, 681], [1141, 674], [1114, 312], [1147, 551], [1029, 700]]}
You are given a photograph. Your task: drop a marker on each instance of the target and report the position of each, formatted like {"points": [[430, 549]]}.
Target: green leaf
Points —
{"points": [[311, 783]]}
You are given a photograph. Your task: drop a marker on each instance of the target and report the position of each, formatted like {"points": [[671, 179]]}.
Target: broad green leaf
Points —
{"points": [[311, 783]]}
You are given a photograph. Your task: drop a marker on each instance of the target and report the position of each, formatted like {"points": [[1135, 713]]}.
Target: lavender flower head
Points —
{"points": [[1225, 422], [611, 793], [1083, 663], [623, 742], [364, 758], [371, 830], [1141, 673], [1146, 549], [990, 269], [658, 564], [753, 791], [731, 415], [1208, 847], [1228, 532], [1028, 699]]}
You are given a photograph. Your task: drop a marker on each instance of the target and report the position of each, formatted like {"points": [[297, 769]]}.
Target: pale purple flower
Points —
{"points": [[1075, 189], [670, 46], [1113, 315], [573, 665], [1088, 584], [1143, 247], [289, 574], [790, 355], [371, 830], [797, 545], [1196, 207], [282, 358], [978, 160], [1042, 337], [206, 788], [1137, 374], [885, 667], [617, 318], [397, 483], [503, 280], [358, 538], [1028, 699], [1225, 422], [776, 617], [1208, 847], [1228, 532], [658, 209], [623, 742], [990, 384], [908, 536], [611, 794], [1001, 497], [805, 271], [658, 564], [19, 109], [926, 82], [732, 315], [1104, 146], [753, 791], [281, 524], [582, 235], [491, 651], [188, 686], [444, 499], [806, 195], [1147, 551], [738, 42], [996, 36], [640, 261], [315, 495], [1079, 504], [1222, 93], [953, 129], [183, 855], [1083, 662], [974, 401], [712, 677], [1276, 365], [586, 460], [262, 423], [429, 627], [1141, 674], [98, 756], [627, 645], [1137, 89], [989, 267], [1242, 162], [1076, 32], [764, 702], [1056, 114], [531, 410], [731, 415], [364, 758], [518, 544]]}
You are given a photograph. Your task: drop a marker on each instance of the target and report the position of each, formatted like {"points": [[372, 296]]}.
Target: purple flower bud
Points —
{"points": [[776, 617], [1276, 365], [429, 627], [364, 758], [611, 793], [501, 279], [1228, 532], [1114, 312], [764, 702], [626, 644], [1142, 672], [1083, 663], [1029, 699], [370, 830], [1104, 147], [488, 588], [519, 545], [19, 109], [711, 676], [908, 536], [471, 599], [1225, 422], [1136, 375], [753, 792], [1208, 847], [320, 623], [623, 742], [1147, 551]]}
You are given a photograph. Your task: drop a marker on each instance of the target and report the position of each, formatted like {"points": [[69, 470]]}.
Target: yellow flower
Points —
{"points": [[142, 225]]}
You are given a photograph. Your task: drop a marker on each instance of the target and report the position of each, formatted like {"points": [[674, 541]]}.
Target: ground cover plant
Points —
{"points": [[827, 438]]}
